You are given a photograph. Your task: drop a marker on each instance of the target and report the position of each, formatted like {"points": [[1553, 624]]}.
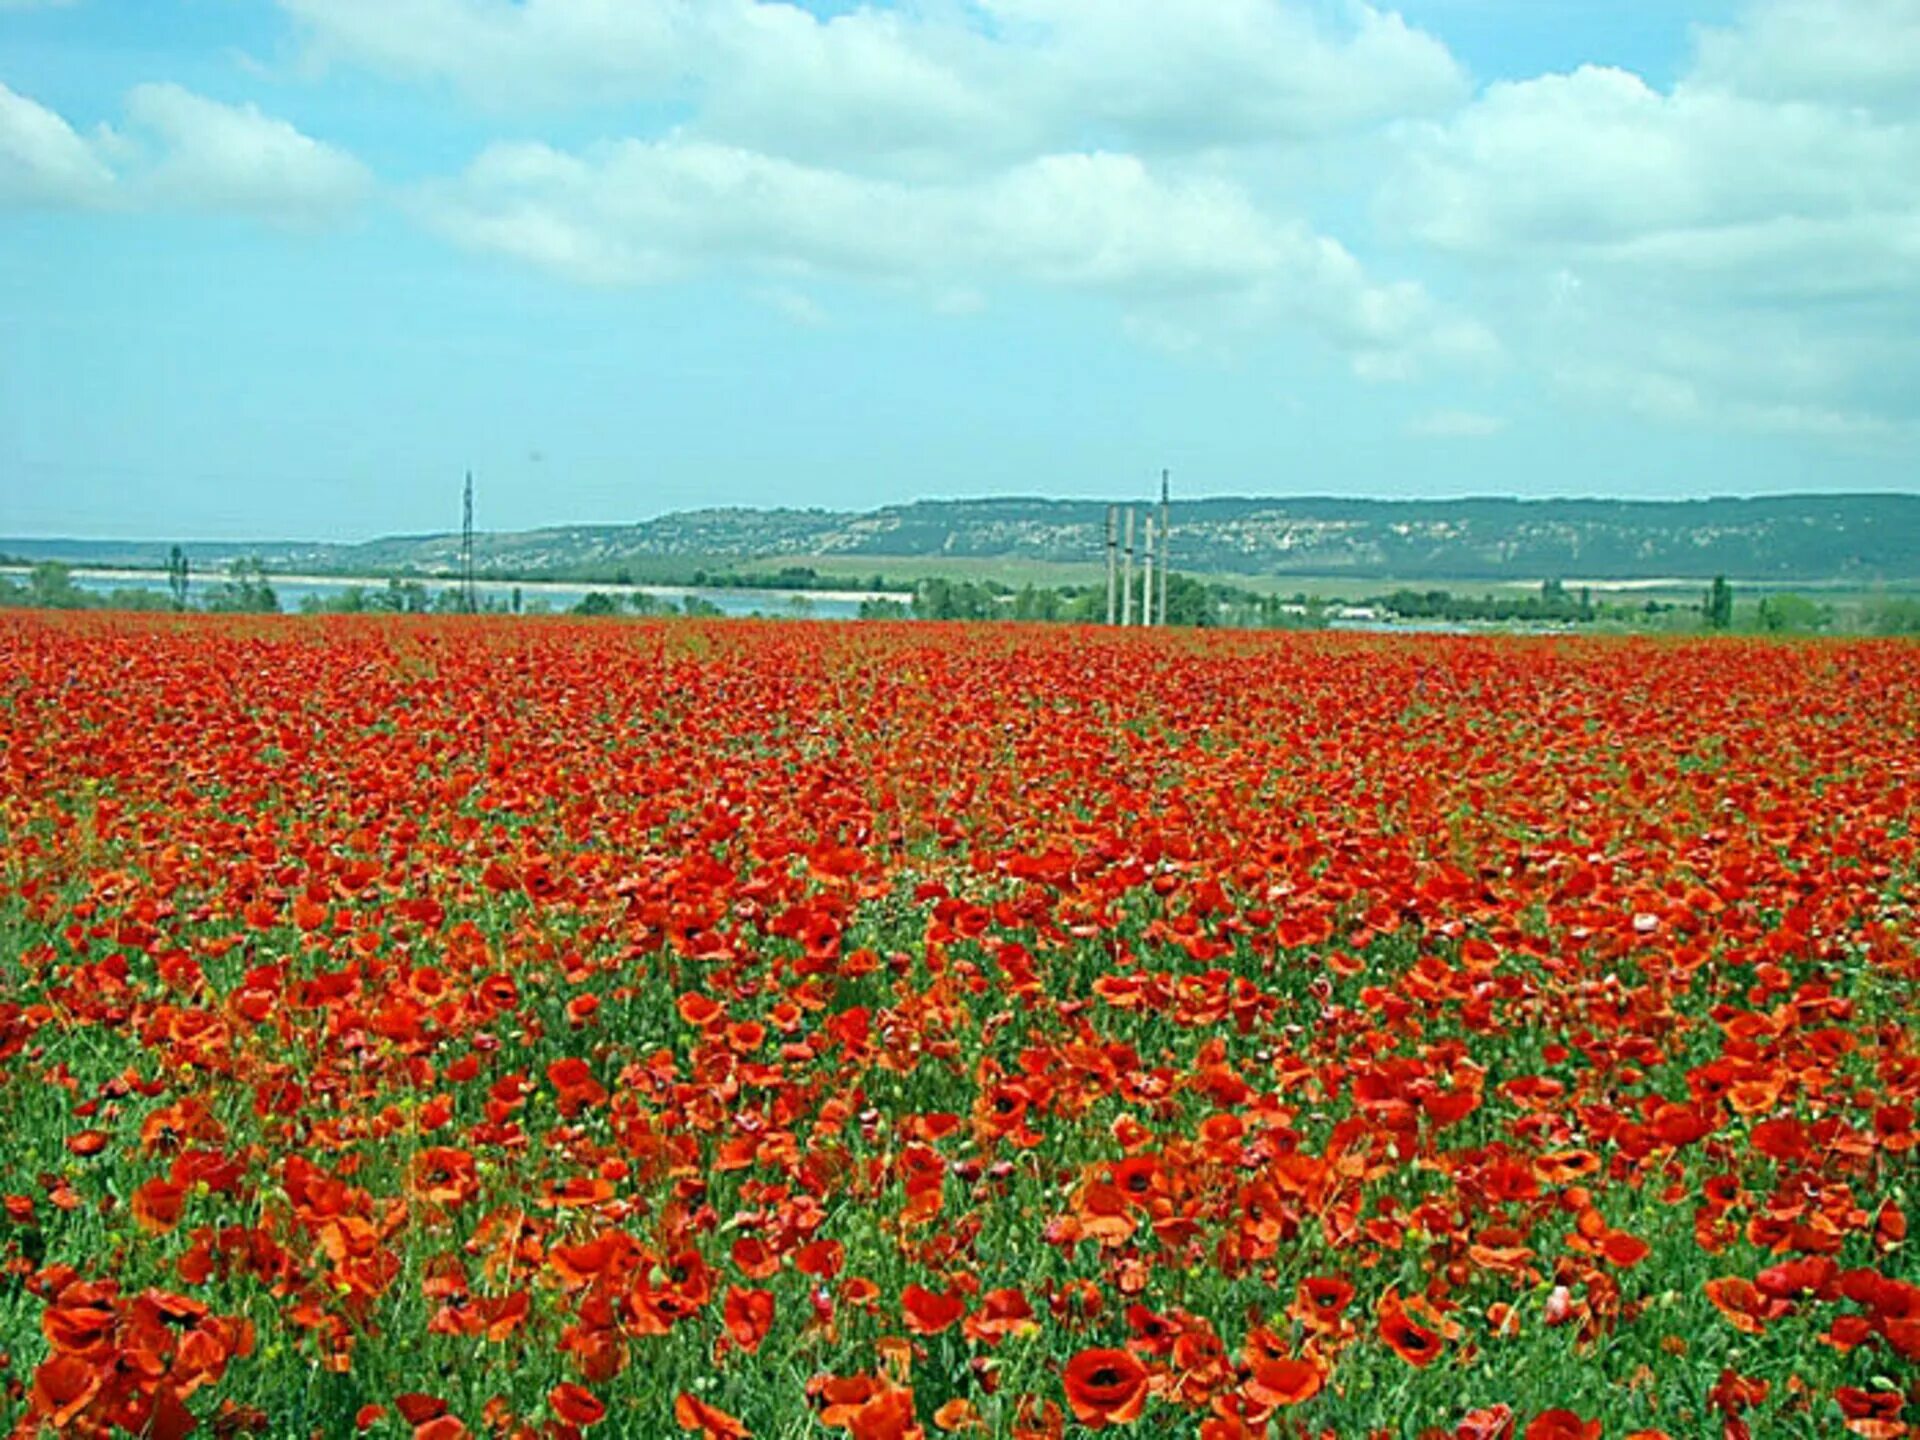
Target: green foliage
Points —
{"points": [[1718, 606], [1552, 604], [1893, 615], [596, 602], [179, 577], [1035, 603], [130, 597], [1793, 615], [942, 599], [50, 587], [246, 590]]}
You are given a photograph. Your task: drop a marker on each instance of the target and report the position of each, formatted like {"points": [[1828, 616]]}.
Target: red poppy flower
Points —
{"points": [[576, 1404], [749, 1316], [1320, 1300], [157, 1206], [1407, 1337], [1562, 1425], [927, 1313], [1285, 1382], [712, 1422], [1496, 1422], [63, 1386], [1106, 1387]]}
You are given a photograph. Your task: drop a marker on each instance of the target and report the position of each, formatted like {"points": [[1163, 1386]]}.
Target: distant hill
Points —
{"points": [[1862, 538]]}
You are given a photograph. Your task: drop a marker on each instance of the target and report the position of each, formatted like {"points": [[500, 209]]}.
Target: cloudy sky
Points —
{"points": [[290, 268]]}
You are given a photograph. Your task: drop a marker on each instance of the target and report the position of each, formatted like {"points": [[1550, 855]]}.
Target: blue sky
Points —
{"points": [[289, 269]]}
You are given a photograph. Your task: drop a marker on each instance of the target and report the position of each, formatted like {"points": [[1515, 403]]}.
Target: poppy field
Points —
{"points": [[544, 1028]]}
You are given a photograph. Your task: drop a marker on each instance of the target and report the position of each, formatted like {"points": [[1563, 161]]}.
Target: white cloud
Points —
{"points": [[1850, 53], [1180, 249], [549, 51], [1599, 159], [233, 159], [641, 211], [43, 162], [946, 148], [179, 151], [1741, 250], [922, 87], [1213, 72]]}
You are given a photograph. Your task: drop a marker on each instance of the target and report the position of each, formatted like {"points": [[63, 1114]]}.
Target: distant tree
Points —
{"points": [[1035, 603], [1190, 603], [1719, 604], [596, 602], [1893, 615], [246, 590], [1793, 614], [401, 597], [696, 607], [179, 576], [50, 586], [937, 598], [874, 609], [135, 597]]}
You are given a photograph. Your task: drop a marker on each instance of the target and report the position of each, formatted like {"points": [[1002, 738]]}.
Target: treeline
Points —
{"points": [[243, 589], [672, 572], [1192, 603], [1553, 602]]}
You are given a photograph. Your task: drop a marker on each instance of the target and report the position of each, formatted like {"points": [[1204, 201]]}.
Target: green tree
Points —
{"points": [[1719, 604], [179, 576], [1190, 603], [596, 602], [1792, 614], [245, 591], [1036, 603], [50, 586], [1893, 615]]}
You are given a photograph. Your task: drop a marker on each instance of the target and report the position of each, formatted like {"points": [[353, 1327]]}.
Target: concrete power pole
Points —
{"points": [[1146, 580], [1166, 541], [1126, 587], [1113, 563]]}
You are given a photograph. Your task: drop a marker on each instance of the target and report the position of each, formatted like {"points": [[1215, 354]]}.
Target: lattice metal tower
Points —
{"points": [[469, 595]]}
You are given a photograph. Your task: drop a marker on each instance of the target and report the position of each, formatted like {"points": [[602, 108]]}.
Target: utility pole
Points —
{"points": [[1146, 583], [1166, 541], [1126, 588], [469, 598], [1113, 562]]}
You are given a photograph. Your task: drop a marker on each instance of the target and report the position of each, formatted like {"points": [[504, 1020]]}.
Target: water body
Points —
{"points": [[535, 594]]}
